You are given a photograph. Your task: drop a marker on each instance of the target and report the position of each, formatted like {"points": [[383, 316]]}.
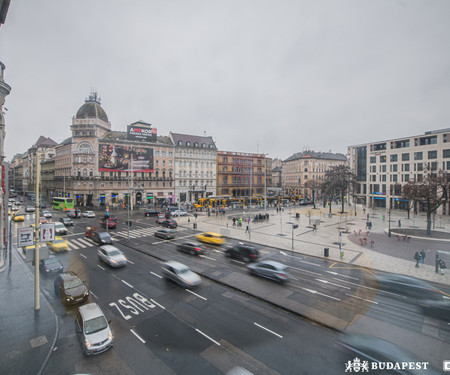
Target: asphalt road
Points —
{"points": [[162, 328]]}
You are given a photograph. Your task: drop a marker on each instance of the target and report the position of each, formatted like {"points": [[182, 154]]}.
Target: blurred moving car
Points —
{"points": [[193, 248], [43, 220], [102, 238], [69, 287], [112, 255], [88, 214], [58, 245], [407, 286], [93, 329], [269, 269], [18, 217], [29, 209], [150, 212], [172, 224], [111, 224], [211, 238], [50, 265], [74, 214], [245, 252], [167, 234], [373, 349], [439, 309], [179, 212], [180, 274], [47, 214], [66, 221], [160, 220], [60, 229]]}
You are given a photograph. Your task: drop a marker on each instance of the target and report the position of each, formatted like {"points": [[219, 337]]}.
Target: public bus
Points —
{"points": [[63, 204]]}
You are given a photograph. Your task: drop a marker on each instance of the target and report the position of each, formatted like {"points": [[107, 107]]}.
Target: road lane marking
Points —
{"points": [[156, 274], [72, 245], [237, 261], [337, 274], [268, 330], [131, 286], [157, 304], [99, 266], [329, 282], [209, 338], [217, 251], [139, 337], [84, 256], [91, 292], [316, 292], [129, 261], [367, 300], [195, 294], [301, 269], [204, 256], [312, 264]]}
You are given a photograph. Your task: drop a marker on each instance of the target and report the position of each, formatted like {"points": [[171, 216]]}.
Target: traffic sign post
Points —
{"points": [[47, 232], [24, 237]]}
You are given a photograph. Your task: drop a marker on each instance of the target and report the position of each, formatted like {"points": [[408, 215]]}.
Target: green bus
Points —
{"points": [[60, 203]]}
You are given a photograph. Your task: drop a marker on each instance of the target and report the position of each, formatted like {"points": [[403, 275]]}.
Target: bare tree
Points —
{"points": [[314, 185], [338, 181], [432, 192]]}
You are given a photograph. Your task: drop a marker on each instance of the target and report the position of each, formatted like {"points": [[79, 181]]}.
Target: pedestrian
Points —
{"points": [[417, 258], [442, 265], [399, 224], [422, 257], [364, 211], [314, 228], [383, 217], [246, 229], [367, 224], [234, 221], [370, 225]]}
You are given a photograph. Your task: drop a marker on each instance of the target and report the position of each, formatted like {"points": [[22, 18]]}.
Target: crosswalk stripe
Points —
{"points": [[87, 243], [72, 245]]}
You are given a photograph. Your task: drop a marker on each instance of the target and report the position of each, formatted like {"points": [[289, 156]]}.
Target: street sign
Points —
{"points": [[24, 237], [47, 232]]}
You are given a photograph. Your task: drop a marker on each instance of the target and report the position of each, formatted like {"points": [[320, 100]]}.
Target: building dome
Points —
{"points": [[92, 109]]}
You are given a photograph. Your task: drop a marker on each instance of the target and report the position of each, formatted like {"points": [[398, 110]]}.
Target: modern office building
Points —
{"points": [[383, 167]]}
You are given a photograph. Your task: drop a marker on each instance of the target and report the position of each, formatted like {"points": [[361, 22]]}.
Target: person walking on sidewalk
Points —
{"points": [[422, 257], [417, 258], [399, 223]]}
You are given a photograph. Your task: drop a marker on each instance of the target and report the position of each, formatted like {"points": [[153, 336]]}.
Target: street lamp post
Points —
{"points": [[389, 220]]}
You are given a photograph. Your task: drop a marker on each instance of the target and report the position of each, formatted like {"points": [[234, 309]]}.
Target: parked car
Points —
{"points": [[93, 329], [166, 234], [58, 245], [60, 229], [111, 224], [269, 269], [74, 214], [50, 265], [47, 214], [211, 238], [69, 287], [193, 248], [102, 238], [172, 224], [89, 214], [151, 212], [180, 274], [66, 221], [112, 255], [29, 209], [244, 252], [179, 212]]}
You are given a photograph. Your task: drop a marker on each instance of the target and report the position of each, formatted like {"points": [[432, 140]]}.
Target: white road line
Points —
{"points": [[294, 278], [72, 245], [316, 292], [204, 256], [84, 256], [312, 264], [156, 274], [87, 243], [93, 294], [217, 251], [367, 300], [209, 338], [131, 286], [328, 282], [301, 269], [237, 261], [129, 261], [76, 243], [139, 337], [337, 274], [195, 294], [99, 266], [357, 285], [157, 304], [268, 330]]}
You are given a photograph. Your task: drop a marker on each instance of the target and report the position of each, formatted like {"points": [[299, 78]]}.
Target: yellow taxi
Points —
{"points": [[58, 245], [18, 217], [211, 237]]}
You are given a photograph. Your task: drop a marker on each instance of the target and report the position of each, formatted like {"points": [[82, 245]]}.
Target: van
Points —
{"points": [[93, 329]]}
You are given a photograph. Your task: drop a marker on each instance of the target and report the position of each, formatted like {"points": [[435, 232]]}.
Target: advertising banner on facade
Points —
{"points": [[119, 158], [141, 133]]}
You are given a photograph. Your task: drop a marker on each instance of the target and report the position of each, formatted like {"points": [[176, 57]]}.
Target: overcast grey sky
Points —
{"points": [[269, 76]]}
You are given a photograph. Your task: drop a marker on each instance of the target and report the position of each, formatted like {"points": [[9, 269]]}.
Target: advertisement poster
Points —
{"points": [[140, 133], [117, 158]]}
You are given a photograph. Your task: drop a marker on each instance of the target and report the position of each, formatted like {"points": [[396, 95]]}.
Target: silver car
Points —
{"points": [[112, 256], [180, 274], [269, 269]]}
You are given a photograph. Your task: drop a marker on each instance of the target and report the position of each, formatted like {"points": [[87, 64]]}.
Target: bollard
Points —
{"points": [[326, 252], [195, 225]]}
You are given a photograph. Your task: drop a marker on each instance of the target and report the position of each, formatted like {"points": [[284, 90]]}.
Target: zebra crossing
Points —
{"points": [[79, 243], [142, 232]]}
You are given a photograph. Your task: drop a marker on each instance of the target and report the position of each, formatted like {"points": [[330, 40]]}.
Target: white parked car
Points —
{"points": [[47, 214], [181, 212], [89, 214]]}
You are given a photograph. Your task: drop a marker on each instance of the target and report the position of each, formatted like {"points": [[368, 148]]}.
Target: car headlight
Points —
{"points": [[86, 293], [87, 343], [110, 336]]}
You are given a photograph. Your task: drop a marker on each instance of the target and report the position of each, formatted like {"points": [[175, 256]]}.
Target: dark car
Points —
{"points": [[111, 224], [270, 270], [436, 309], [74, 214], [241, 251], [407, 286], [151, 212], [69, 287], [51, 265], [102, 238], [160, 220], [193, 248], [66, 221], [172, 224], [166, 234]]}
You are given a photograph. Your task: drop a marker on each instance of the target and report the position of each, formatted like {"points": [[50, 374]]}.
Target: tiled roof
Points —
{"points": [[316, 155], [183, 138]]}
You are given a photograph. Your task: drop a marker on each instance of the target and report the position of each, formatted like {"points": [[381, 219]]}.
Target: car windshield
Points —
{"points": [[183, 271], [103, 235], [95, 325], [72, 283], [51, 260], [114, 253], [56, 242]]}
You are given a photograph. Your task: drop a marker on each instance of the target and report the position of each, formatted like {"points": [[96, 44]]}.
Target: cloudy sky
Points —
{"points": [[269, 76]]}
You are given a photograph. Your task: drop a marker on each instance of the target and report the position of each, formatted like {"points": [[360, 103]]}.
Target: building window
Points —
{"points": [[393, 158], [432, 154], [418, 156], [446, 154], [382, 158], [405, 157]]}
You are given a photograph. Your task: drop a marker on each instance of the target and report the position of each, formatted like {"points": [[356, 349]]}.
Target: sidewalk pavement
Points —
{"points": [[27, 344]]}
